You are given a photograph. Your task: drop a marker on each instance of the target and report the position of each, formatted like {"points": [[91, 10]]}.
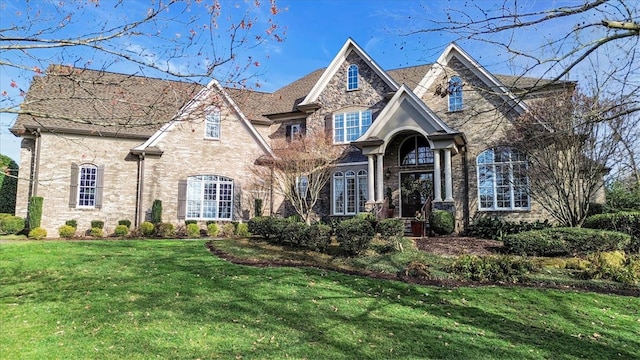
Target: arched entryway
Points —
{"points": [[416, 160]]}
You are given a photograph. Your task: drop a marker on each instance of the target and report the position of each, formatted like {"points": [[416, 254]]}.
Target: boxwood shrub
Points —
{"points": [[96, 232], [388, 228], [354, 235], [213, 229], [147, 228], [294, 233], [318, 237], [564, 241], [627, 222], [125, 222], [97, 224], [66, 231], [242, 230], [121, 230], [37, 233], [73, 223], [495, 228], [193, 230], [441, 222], [10, 224], [259, 225]]}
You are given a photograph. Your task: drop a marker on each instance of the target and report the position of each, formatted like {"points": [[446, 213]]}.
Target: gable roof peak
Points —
{"points": [[349, 46]]}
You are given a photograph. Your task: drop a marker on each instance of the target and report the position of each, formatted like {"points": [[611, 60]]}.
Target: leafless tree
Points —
{"points": [[301, 169], [187, 40], [568, 141]]}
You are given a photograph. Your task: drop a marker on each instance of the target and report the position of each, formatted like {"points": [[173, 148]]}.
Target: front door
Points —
{"points": [[415, 188]]}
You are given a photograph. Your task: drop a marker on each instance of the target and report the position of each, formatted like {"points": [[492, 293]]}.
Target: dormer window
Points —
{"points": [[455, 94], [352, 77], [212, 123]]}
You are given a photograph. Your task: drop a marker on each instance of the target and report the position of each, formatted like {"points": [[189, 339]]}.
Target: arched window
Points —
{"points": [[349, 192], [502, 179], [209, 197], [352, 77], [415, 150], [212, 123], [455, 94]]}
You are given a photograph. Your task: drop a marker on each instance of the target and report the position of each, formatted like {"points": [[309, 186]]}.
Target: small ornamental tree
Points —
{"points": [[156, 211], [301, 169], [35, 211]]}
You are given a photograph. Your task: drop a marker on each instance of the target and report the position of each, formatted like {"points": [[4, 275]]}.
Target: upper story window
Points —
{"points": [[294, 131], [455, 94], [502, 180], [85, 190], [212, 123], [350, 126], [352, 77], [415, 150]]}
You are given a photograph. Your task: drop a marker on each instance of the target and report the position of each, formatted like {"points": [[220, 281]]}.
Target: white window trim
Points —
{"points": [[80, 187], [361, 130], [494, 206], [357, 80], [356, 175], [219, 180], [214, 116]]}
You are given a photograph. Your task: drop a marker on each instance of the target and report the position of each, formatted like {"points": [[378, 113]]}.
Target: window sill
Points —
{"points": [[350, 90], [454, 111], [211, 139]]}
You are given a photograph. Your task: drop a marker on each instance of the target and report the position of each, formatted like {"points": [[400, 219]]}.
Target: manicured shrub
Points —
{"points": [[276, 228], [496, 229], [193, 230], [147, 228], [441, 222], [37, 233], [187, 222], [564, 241], [125, 222], [121, 230], [35, 212], [96, 232], [165, 230], [613, 266], [627, 222], [492, 268], [228, 230], [213, 229], [390, 227], [294, 233], [260, 225], [67, 231], [97, 224], [318, 237], [354, 235], [156, 211], [242, 230], [10, 224], [73, 223]]}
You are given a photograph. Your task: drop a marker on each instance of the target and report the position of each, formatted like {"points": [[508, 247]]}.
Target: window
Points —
{"points": [[415, 150], [455, 94], [350, 126], [85, 188], [212, 124], [209, 197], [502, 179], [352, 77], [294, 131], [349, 192]]}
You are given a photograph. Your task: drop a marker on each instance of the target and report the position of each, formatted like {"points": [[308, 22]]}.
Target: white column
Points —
{"points": [[448, 188], [370, 179], [379, 195], [437, 186]]}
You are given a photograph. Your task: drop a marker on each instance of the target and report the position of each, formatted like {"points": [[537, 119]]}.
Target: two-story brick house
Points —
{"points": [[92, 155]]}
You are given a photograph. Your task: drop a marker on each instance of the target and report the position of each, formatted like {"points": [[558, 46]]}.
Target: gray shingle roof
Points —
{"points": [[90, 101]]}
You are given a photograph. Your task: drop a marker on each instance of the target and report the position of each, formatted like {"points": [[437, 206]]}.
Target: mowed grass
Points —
{"points": [[173, 299]]}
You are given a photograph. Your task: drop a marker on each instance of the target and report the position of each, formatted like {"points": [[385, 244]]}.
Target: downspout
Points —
{"points": [[140, 190], [36, 163], [271, 193]]}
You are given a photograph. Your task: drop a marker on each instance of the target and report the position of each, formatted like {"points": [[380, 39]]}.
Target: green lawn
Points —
{"points": [[172, 299]]}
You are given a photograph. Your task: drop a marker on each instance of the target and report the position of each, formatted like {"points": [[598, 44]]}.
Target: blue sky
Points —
{"points": [[315, 32]]}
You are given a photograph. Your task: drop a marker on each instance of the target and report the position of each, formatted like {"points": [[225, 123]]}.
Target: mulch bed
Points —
{"points": [[446, 245]]}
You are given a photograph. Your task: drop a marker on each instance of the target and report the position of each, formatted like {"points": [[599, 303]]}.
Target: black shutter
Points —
{"points": [[303, 129], [99, 186], [288, 132], [73, 186], [182, 199]]}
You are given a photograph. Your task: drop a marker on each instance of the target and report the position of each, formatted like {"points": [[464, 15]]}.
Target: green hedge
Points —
{"points": [[318, 237], [8, 184], [441, 222], [354, 235], [627, 222], [389, 228], [496, 229], [10, 224], [564, 241]]}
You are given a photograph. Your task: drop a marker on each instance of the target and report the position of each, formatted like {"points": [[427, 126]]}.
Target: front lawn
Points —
{"points": [[173, 299]]}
